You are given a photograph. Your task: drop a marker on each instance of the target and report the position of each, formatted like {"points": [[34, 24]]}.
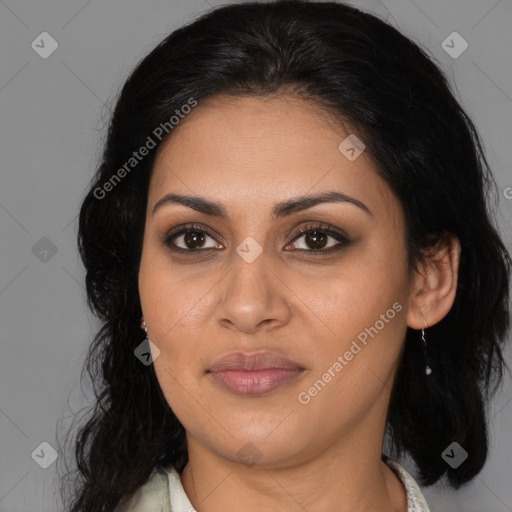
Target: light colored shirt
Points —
{"points": [[165, 493]]}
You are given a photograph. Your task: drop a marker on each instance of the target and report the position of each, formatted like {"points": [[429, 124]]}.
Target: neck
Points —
{"points": [[347, 476]]}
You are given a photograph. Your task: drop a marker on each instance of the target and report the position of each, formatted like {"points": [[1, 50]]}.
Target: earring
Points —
{"points": [[143, 326], [428, 369]]}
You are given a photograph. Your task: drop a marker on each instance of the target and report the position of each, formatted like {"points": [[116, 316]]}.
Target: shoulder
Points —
{"points": [[153, 496]]}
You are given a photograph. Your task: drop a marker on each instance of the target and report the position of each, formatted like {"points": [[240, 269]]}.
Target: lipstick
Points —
{"points": [[254, 374]]}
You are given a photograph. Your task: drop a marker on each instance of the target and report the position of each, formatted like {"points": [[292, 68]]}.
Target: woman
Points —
{"points": [[293, 207]]}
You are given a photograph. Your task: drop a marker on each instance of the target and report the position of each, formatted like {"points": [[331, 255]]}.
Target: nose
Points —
{"points": [[253, 297]]}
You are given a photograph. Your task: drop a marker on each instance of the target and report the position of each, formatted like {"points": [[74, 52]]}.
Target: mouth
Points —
{"points": [[254, 374]]}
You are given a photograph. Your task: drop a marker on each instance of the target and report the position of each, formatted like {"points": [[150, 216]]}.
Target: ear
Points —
{"points": [[435, 285]]}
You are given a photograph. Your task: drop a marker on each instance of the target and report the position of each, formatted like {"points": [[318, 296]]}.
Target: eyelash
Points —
{"points": [[321, 227]]}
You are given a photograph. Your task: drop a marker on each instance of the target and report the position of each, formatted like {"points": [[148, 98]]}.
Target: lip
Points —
{"points": [[254, 374]]}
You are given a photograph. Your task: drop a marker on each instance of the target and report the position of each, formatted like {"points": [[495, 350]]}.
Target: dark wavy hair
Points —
{"points": [[362, 71]]}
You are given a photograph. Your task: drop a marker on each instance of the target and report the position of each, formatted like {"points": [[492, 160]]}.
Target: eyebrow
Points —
{"points": [[282, 209]]}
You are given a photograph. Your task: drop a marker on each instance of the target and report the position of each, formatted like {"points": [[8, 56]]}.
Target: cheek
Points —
{"points": [[363, 306], [168, 296], [175, 309], [365, 286]]}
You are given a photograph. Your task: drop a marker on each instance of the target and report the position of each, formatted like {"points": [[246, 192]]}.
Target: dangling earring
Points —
{"points": [[428, 369], [143, 326], [147, 351]]}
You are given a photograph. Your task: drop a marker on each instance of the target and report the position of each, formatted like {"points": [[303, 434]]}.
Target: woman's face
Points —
{"points": [[258, 286]]}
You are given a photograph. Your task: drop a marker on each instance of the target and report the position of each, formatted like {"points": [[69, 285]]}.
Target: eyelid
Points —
{"points": [[322, 227]]}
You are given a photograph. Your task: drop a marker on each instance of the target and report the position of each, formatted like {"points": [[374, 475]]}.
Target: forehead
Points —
{"points": [[248, 151]]}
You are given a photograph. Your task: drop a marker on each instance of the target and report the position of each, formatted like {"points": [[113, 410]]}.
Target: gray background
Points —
{"points": [[51, 123]]}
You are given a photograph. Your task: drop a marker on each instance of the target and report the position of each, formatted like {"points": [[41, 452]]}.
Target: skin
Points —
{"points": [[248, 154]]}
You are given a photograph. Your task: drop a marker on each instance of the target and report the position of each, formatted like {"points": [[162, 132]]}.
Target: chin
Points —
{"points": [[261, 450]]}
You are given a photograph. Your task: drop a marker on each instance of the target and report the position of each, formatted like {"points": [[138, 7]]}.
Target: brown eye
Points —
{"points": [[316, 240], [190, 239], [193, 240]]}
